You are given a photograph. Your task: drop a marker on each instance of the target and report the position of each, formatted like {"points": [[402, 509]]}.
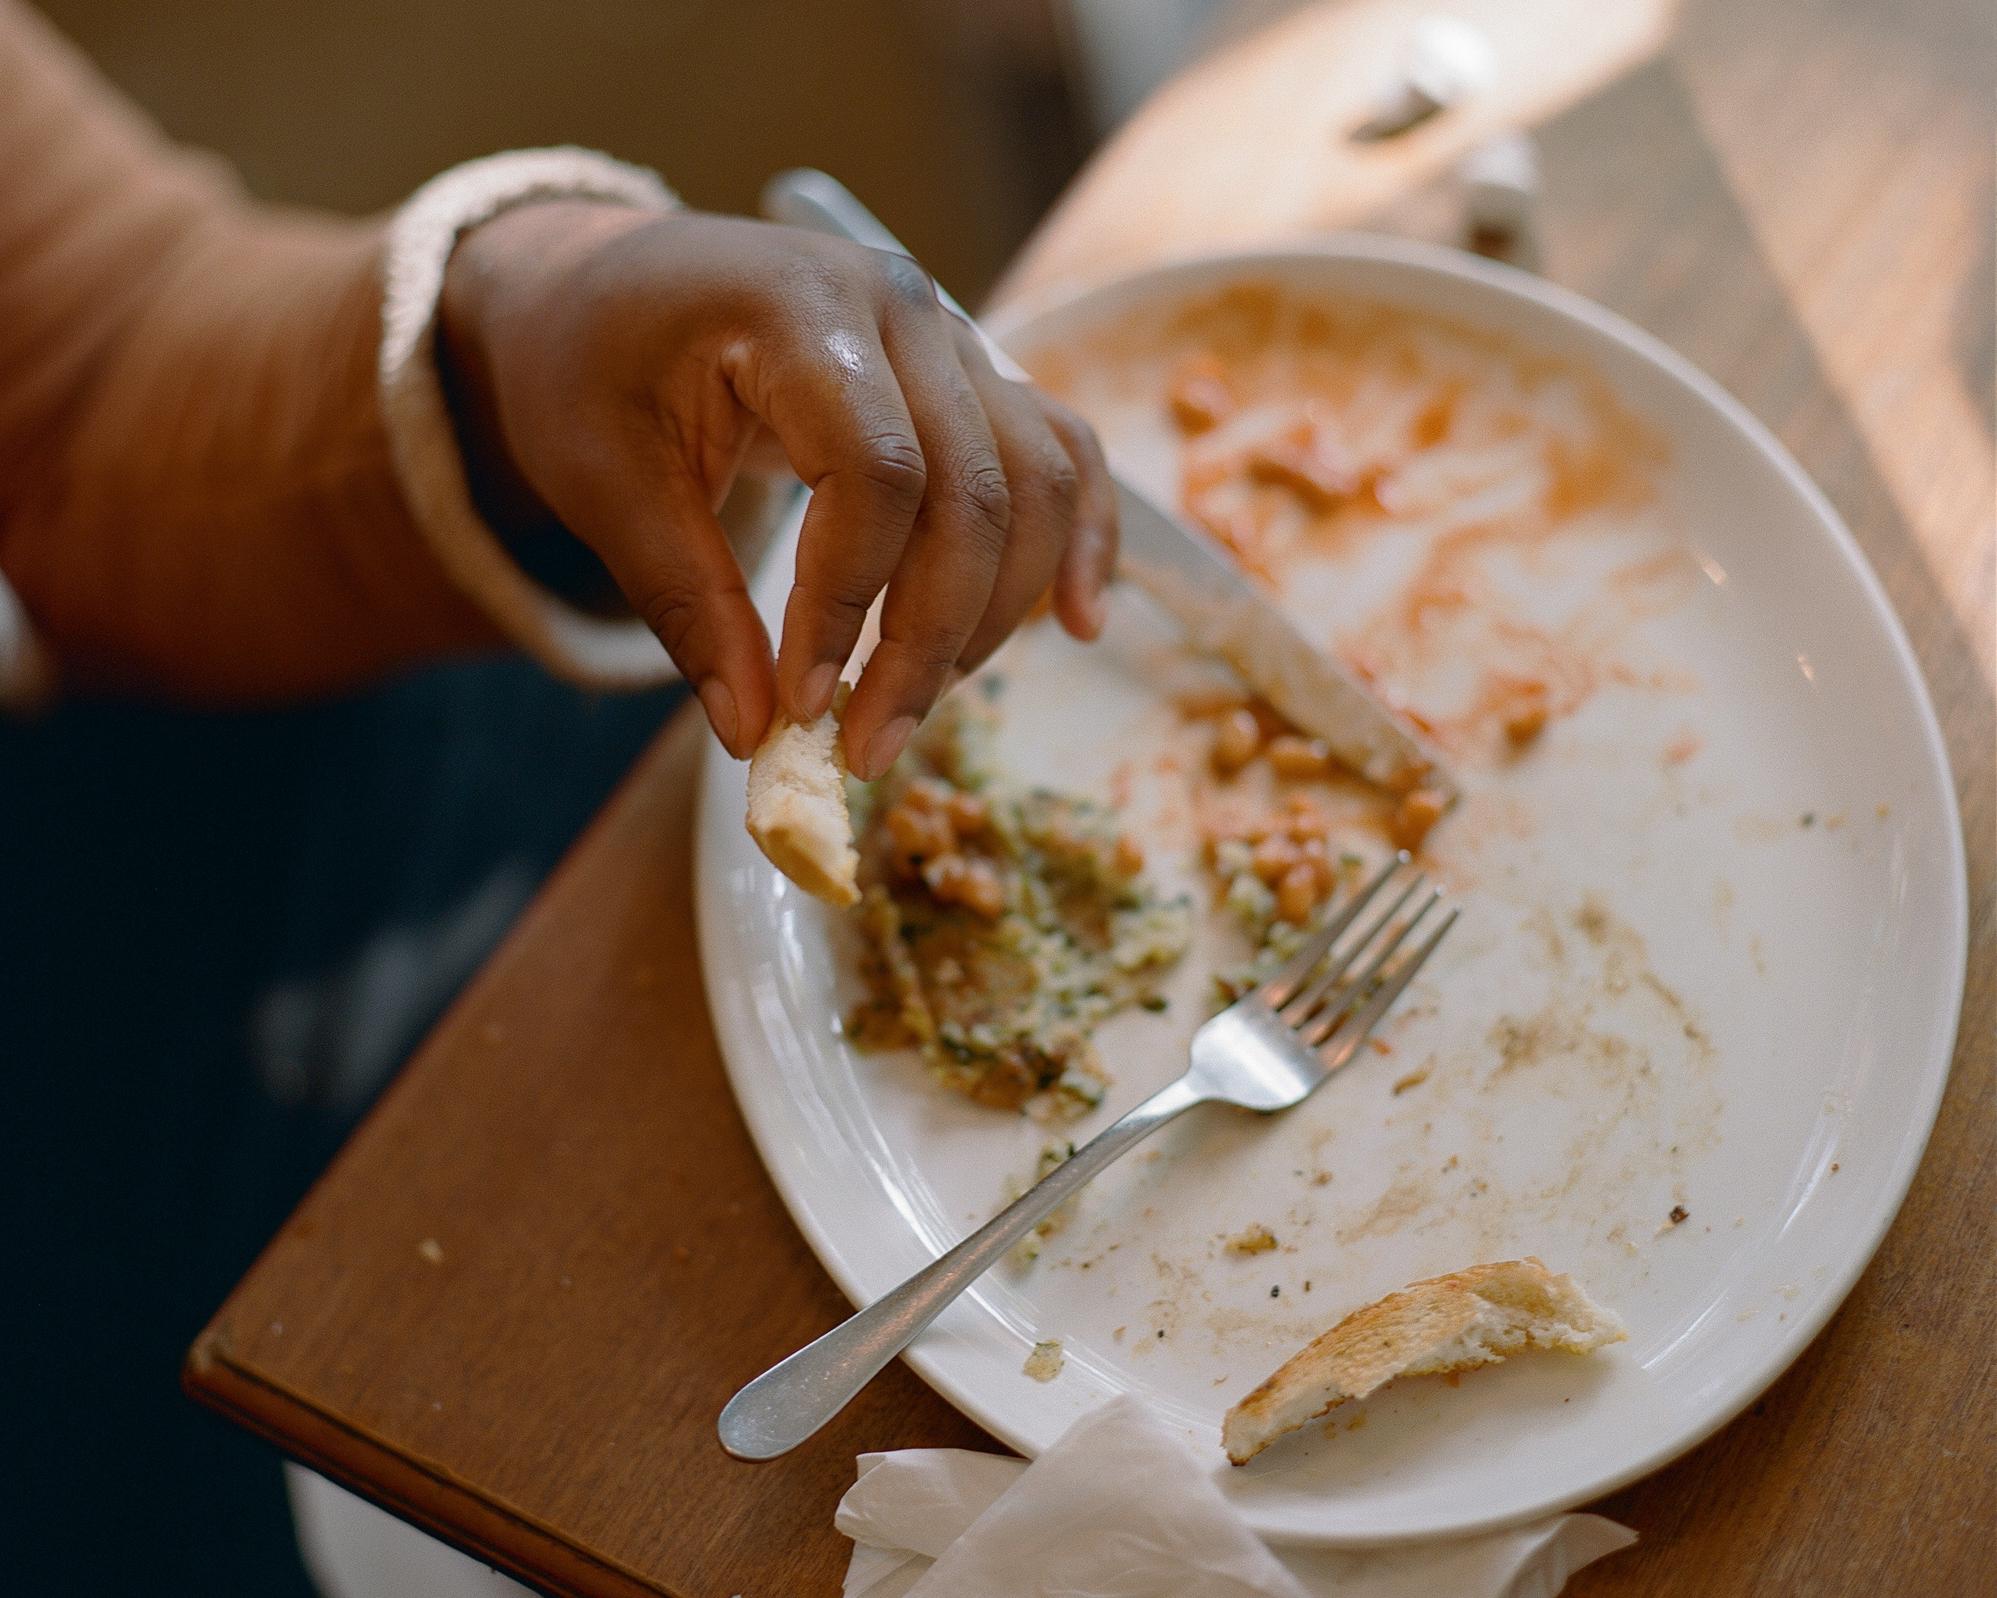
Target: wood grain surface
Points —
{"points": [[513, 1307]]}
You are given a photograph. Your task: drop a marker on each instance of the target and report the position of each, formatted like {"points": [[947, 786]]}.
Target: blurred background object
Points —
{"points": [[958, 119]]}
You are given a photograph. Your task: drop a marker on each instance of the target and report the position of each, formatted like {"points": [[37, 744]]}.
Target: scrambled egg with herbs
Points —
{"points": [[1004, 924]]}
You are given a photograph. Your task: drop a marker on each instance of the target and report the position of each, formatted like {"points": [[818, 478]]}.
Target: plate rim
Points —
{"points": [[725, 1000]]}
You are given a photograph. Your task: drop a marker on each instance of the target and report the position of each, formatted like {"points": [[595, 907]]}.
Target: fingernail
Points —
{"points": [[814, 694], [885, 745], [719, 704], [1095, 611]]}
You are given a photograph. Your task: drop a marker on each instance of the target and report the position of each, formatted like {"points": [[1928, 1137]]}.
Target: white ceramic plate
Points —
{"points": [[1783, 1099]]}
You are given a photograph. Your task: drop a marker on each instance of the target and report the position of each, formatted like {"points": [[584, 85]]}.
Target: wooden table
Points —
{"points": [[512, 1308]]}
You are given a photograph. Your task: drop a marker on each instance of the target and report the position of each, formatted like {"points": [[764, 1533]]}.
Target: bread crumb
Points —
{"points": [[1046, 1360], [430, 1251], [1678, 1214], [1027, 1249], [1413, 1079], [1255, 1240]]}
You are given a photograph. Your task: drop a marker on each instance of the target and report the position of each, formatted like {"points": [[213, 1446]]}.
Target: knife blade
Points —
{"points": [[1185, 573], [1224, 615]]}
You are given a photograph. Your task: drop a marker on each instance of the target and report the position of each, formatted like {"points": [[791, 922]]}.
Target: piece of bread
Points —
{"points": [[797, 807], [1448, 1323]]}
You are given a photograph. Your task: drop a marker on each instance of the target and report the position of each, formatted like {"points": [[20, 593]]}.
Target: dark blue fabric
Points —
{"points": [[218, 933]]}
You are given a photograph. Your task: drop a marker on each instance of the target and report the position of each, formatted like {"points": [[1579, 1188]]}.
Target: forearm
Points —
{"points": [[216, 516], [196, 492]]}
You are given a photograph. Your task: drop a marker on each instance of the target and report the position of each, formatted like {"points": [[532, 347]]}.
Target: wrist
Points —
{"points": [[497, 277], [491, 370]]}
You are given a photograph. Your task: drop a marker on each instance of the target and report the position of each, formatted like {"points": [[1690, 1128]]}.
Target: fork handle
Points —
{"points": [[792, 1400]]}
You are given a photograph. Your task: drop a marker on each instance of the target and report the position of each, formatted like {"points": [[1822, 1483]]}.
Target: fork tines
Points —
{"points": [[1343, 968]]}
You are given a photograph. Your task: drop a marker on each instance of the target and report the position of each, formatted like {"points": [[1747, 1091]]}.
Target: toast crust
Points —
{"points": [[1472, 1317]]}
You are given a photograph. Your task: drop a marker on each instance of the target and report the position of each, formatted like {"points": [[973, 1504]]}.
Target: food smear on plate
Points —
{"points": [[1256, 1239], [1004, 922], [1439, 1327], [1466, 474]]}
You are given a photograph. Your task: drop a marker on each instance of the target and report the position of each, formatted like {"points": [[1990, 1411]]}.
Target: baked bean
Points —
{"points": [[1199, 703], [1236, 741], [927, 793], [967, 812], [1415, 815], [982, 892], [1526, 723], [1306, 825], [1314, 853], [944, 876], [1273, 857], [1297, 758], [1297, 894], [969, 881], [920, 834]]}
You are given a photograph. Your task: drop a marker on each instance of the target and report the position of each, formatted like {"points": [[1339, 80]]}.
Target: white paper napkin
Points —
{"points": [[1119, 1508]]}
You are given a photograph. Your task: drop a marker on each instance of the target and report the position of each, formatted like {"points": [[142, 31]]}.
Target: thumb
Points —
{"points": [[672, 560]]}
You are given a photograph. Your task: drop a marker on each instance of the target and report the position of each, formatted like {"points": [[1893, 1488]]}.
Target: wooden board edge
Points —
{"points": [[436, 1505]]}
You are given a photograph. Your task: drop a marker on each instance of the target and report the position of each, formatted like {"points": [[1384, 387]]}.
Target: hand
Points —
{"points": [[616, 367]]}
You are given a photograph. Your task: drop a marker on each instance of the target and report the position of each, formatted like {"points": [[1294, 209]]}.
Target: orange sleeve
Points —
{"points": [[197, 498]]}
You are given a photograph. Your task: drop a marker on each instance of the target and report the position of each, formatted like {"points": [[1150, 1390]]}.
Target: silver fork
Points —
{"points": [[1266, 1051]]}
